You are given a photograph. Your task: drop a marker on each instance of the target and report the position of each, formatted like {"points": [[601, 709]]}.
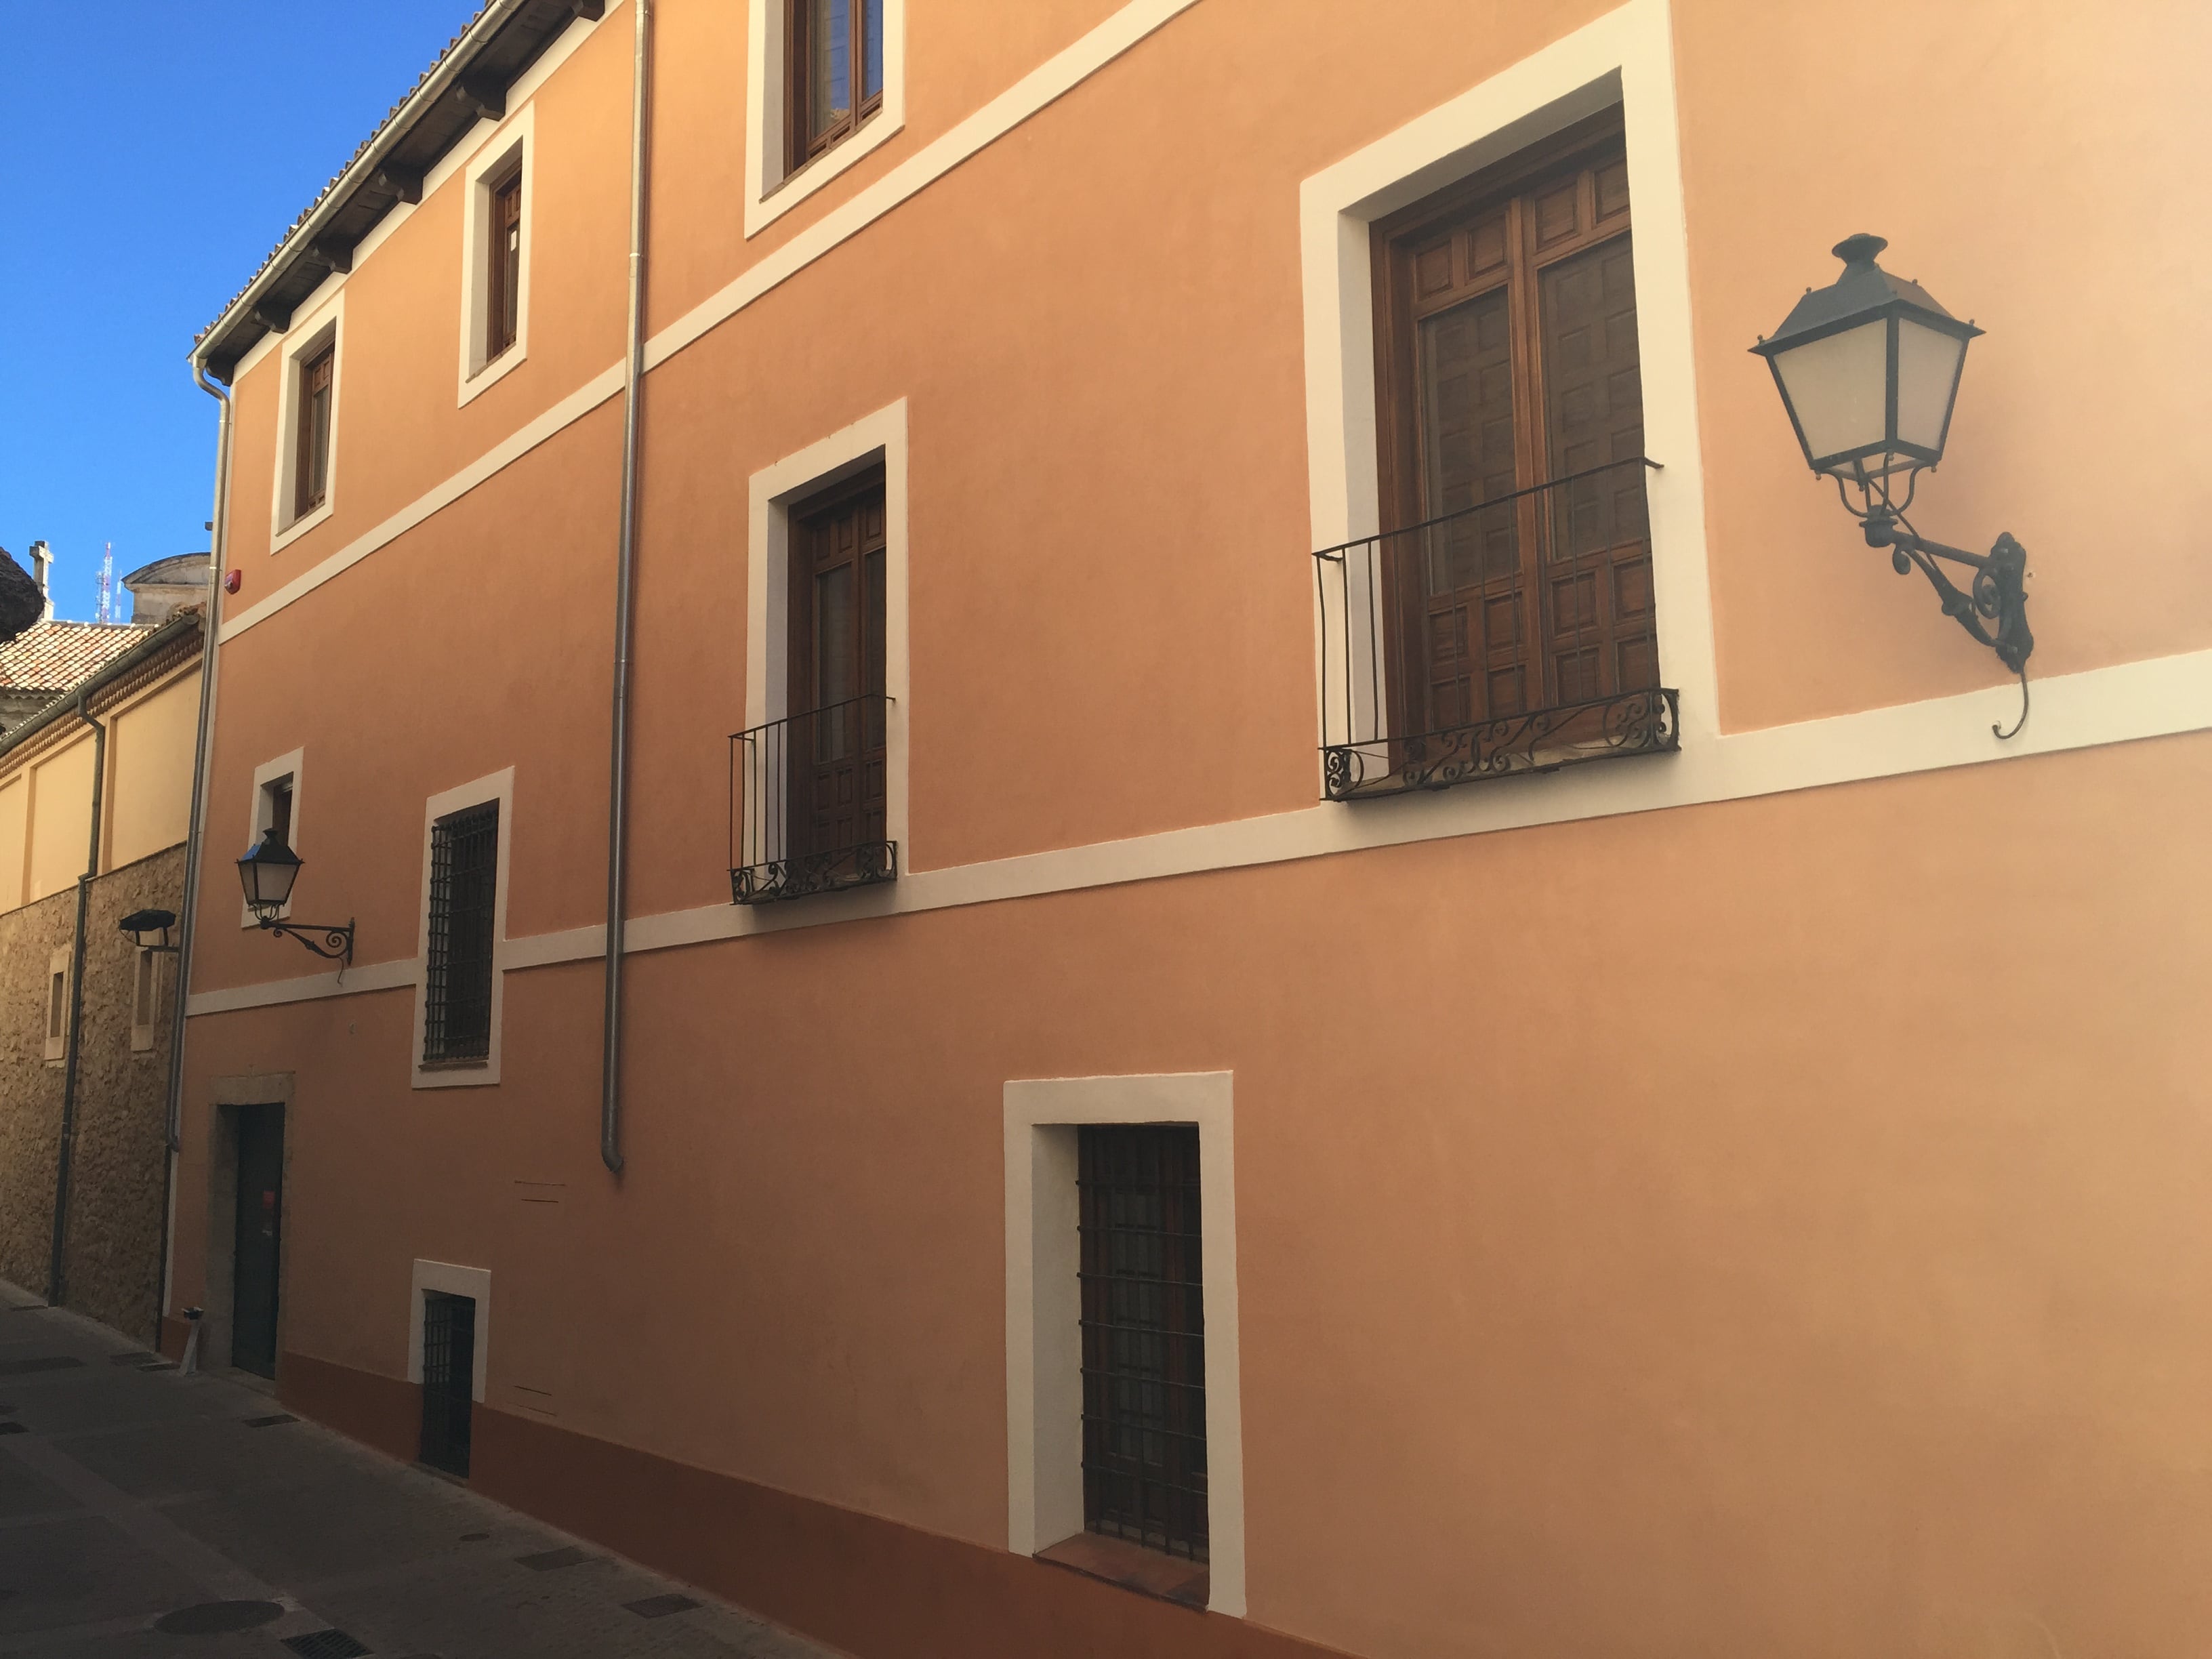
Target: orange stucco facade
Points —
{"points": [[1749, 1203]]}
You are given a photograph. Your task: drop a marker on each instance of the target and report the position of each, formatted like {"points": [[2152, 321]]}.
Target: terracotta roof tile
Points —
{"points": [[56, 656]]}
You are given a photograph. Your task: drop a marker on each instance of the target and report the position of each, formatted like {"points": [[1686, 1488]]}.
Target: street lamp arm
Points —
{"points": [[1993, 608], [337, 944]]}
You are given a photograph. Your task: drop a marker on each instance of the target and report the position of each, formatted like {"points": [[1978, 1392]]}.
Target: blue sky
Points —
{"points": [[151, 152]]}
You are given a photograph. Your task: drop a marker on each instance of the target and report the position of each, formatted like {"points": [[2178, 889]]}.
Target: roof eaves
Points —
{"points": [[432, 85]]}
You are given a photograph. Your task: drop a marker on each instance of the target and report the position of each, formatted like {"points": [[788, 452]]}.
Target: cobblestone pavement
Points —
{"points": [[130, 1495]]}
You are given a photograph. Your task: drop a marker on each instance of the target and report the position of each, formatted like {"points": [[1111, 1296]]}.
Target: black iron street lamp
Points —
{"points": [[267, 872], [149, 929], [1869, 370]]}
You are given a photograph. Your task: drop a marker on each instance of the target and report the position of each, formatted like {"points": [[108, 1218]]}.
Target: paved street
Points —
{"points": [[131, 1497]]}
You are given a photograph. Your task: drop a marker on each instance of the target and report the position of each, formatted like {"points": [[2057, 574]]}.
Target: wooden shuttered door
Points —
{"points": [[503, 292], [311, 467], [838, 743], [1507, 361]]}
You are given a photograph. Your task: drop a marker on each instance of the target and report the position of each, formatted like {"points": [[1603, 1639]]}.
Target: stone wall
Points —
{"points": [[113, 1243], [30, 1087]]}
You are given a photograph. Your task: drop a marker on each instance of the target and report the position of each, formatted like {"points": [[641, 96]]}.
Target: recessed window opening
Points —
{"points": [[277, 807], [1506, 612], [144, 993], [1144, 1336], [57, 1006], [449, 1343], [836, 49], [311, 472], [463, 887], [503, 287]]}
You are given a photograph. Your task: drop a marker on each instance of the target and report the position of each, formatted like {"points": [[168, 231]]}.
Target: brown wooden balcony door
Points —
{"points": [[1510, 360], [837, 733]]}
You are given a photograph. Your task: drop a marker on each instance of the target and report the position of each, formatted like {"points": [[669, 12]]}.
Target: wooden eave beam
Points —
{"points": [[405, 183], [591, 10], [331, 253], [487, 99]]}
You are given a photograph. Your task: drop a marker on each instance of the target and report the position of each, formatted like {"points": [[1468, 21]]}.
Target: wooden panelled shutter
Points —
{"points": [[837, 746], [312, 462], [1509, 359], [503, 296]]}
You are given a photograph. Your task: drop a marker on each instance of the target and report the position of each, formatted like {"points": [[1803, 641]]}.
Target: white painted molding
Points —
{"points": [[256, 818], [325, 325], [1044, 1382], [510, 144], [770, 192], [2162, 697], [475, 1282], [877, 439], [498, 786]]}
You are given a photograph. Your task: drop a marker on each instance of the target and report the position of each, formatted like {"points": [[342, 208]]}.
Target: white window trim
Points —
{"points": [[1623, 58], [256, 819], [877, 438], [325, 324], [1044, 1343], [770, 192], [510, 143], [499, 787], [56, 1047], [475, 1282], [142, 1037]]}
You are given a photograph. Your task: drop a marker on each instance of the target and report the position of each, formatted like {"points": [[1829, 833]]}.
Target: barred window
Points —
{"points": [[1144, 1336], [463, 882]]}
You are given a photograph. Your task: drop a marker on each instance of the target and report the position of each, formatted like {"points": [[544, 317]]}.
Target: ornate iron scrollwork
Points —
{"points": [[807, 874], [1643, 722], [337, 942]]}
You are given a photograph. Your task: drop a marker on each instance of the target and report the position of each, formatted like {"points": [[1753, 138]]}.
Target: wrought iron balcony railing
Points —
{"points": [[807, 803], [1514, 635]]}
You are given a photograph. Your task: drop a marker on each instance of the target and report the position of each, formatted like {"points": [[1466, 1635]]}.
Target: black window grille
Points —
{"points": [[1144, 1336], [464, 881], [449, 1364]]}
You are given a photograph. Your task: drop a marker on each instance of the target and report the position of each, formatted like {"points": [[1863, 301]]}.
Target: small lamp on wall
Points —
{"points": [[267, 872], [1869, 370], [148, 929]]}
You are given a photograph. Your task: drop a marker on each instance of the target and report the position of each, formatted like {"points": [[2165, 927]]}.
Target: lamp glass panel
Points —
{"points": [[268, 881], [1839, 388], [1927, 365]]}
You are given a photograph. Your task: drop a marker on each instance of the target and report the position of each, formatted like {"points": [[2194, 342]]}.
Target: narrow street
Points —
{"points": [[145, 1513]]}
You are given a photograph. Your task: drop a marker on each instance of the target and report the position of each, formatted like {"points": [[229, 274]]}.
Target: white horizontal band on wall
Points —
{"points": [[2161, 697]]}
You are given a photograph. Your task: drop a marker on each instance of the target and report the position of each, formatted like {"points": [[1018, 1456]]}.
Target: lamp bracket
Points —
{"points": [[336, 943], [1992, 606]]}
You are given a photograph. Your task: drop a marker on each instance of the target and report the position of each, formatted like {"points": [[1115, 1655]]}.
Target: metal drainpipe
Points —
{"points": [[57, 1288], [625, 563], [211, 617]]}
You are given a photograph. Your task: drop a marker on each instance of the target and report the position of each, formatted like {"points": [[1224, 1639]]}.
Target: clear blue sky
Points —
{"points": [[151, 152]]}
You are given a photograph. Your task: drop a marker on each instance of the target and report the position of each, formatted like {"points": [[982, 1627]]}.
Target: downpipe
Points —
{"points": [[56, 1286], [210, 619], [625, 571]]}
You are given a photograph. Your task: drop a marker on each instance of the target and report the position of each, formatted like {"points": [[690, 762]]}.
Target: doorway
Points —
{"points": [[258, 1238], [449, 1361]]}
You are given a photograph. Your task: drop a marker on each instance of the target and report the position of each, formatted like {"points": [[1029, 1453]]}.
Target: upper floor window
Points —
{"points": [[503, 291], [498, 191], [277, 807], [835, 52], [814, 785], [458, 980], [1504, 615], [311, 473]]}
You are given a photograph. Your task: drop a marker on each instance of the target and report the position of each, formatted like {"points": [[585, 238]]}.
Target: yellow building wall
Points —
{"points": [[61, 827], [14, 794], [150, 772]]}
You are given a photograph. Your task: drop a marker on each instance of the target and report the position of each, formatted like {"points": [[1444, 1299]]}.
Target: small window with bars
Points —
{"points": [[145, 995], [464, 890], [1144, 1336]]}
